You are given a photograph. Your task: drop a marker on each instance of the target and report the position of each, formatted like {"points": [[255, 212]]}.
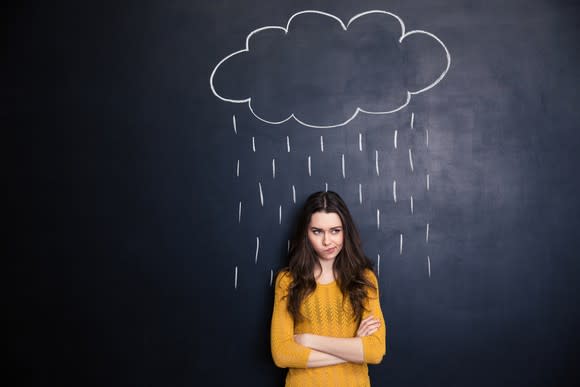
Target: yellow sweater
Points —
{"points": [[325, 315]]}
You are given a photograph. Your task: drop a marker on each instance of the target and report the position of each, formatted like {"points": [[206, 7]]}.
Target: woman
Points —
{"points": [[327, 323]]}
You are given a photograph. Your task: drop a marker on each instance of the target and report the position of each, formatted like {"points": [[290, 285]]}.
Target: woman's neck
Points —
{"points": [[325, 273]]}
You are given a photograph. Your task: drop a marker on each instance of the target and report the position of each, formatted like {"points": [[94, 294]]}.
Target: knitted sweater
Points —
{"points": [[325, 315]]}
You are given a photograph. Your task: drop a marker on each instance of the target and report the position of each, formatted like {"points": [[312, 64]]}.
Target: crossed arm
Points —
{"points": [[326, 350]]}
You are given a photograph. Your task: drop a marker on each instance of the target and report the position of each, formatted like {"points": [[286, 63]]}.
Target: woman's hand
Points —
{"points": [[368, 326]]}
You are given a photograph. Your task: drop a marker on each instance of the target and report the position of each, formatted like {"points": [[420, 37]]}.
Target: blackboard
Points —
{"points": [[150, 200]]}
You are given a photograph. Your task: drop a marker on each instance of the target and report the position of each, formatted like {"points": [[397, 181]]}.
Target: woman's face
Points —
{"points": [[326, 234]]}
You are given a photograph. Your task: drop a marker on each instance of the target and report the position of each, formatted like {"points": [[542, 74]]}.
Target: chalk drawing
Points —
{"points": [[378, 264], [395, 138], [280, 215], [429, 266], [288, 143], [404, 34], [343, 174], [236, 277], [238, 169], [427, 138], [257, 249], [240, 212], [411, 205], [234, 122], [395, 191], [321, 144], [377, 162], [401, 245], [378, 219], [294, 194], [427, 234], [261, 194], [411, 159], [309, 166], [360, 193], [273, 168], [325, 187], [412, 120], [428, 182], [271, 276], [253, 144], [360, 142]]}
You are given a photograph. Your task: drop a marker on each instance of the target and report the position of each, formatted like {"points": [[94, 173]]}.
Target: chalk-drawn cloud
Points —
{"points": [[322, 73]]}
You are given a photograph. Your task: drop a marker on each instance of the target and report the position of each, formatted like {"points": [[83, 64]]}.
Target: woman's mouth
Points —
{"points": [[331, 250]]}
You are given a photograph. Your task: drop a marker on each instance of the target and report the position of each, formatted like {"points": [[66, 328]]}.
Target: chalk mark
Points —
{"points": [[257, 249], [234, 122], [401, 245], [261, 194]]}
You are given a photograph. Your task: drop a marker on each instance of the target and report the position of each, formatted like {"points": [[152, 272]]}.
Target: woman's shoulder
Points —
{"points": [[283, 278], [371, 276]]}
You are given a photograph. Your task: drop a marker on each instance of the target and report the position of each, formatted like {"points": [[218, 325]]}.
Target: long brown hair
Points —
{"points": [[349, 265]]}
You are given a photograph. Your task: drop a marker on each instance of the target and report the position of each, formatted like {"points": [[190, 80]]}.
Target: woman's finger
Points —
{"points": [[371, 328], [371, 323], [368, 320]]}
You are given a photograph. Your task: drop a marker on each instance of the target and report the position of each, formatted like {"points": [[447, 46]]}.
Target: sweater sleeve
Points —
{"points": [[285, 351], [374, 346]]}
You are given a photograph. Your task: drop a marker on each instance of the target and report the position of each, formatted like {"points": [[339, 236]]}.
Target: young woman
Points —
{"points": [[327, 323]]}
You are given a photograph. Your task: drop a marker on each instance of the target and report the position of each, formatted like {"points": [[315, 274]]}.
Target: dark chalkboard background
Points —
{"points": [[122, 194]]}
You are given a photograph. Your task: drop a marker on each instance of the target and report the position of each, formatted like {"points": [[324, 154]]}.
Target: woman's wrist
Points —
{"points": [[304, 339]]}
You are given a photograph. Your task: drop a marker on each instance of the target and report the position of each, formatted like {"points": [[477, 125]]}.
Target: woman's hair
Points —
{"points": [[349, 265]]}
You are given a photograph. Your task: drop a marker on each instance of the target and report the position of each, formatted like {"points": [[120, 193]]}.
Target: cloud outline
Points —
{"points": [[358, 110]]}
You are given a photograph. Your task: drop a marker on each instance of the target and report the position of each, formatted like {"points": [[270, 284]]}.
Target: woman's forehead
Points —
{"points": [[325, 220]]}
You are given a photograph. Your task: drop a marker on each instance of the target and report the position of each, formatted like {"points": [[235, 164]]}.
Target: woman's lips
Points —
{"points": [[331, 250]]}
